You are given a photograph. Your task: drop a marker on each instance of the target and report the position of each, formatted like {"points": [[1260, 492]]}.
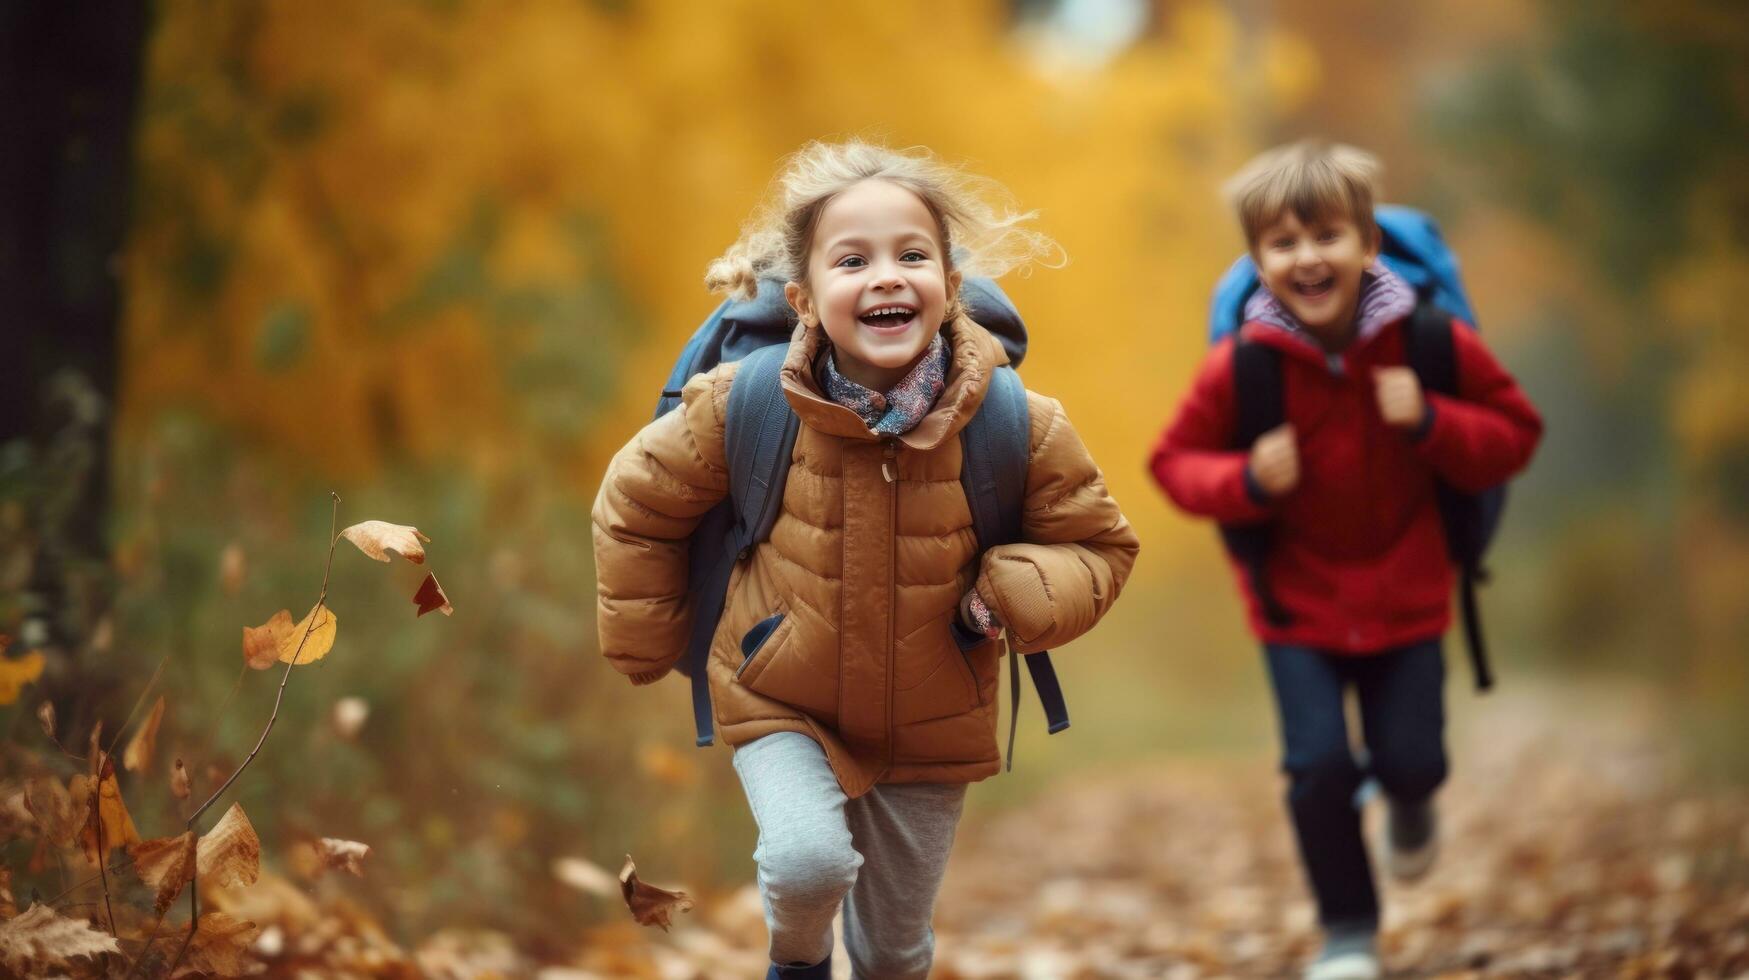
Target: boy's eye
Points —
{"points": [[1283, 243], [1328, 236], [913, 255]]}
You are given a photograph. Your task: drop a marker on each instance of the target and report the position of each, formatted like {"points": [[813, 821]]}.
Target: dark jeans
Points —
{"points": [[1402, 712]]}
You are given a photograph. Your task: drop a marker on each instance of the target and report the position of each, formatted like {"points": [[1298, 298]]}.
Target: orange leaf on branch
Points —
{"points": [[108, 818], [430, 596], [651, 906], [138, 756], [380, 539], [230, 853], [278, 639], [166, 864]]}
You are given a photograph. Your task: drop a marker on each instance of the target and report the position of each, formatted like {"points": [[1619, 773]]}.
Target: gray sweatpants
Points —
{"points": [[882, 855]]}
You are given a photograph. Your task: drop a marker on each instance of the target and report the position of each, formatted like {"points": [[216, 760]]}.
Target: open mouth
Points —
{"points": [[893, 316], [1317, 288]]}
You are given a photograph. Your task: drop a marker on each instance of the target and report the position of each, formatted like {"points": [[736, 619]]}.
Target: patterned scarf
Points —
{"points": [[1384, 297], [899, 410]]}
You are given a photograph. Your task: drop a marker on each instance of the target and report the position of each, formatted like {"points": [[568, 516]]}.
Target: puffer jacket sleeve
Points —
{"points": [[1076, 549], [655, 492]]}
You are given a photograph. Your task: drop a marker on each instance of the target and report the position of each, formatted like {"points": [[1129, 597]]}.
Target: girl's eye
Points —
{"points": [[1327, 236], [851, 262], [1284, 243], [913, 255]]}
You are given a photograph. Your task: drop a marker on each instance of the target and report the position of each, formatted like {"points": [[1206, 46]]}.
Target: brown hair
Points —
{"points": [[1313, 179]]}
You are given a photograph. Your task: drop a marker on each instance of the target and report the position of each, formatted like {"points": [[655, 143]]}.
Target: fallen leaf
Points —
{"points": [[179, 781], [430, 596], [651, 906], [586, 876], [14, 674], [349, 716], [230, 853], [320, 641], [232, 567], [108, 824], [343, 855], [138, 757], [379, 538], [166, 864], [53, 807], [261, 643], [40, 938], [45, 714], [220, 947]]}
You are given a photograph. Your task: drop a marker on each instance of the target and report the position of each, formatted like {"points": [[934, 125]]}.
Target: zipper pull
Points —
{"points": [[887, 466]]}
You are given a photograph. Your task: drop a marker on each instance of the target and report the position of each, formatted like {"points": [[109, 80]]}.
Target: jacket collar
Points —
{"points": [[1385, 300], [975, 354]]}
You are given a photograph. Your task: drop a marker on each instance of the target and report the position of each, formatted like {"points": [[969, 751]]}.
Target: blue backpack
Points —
{"points": [[760, 436], [1412, 248]]}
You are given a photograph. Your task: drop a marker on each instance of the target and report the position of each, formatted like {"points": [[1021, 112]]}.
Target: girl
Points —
{"points": [[860, 716]]}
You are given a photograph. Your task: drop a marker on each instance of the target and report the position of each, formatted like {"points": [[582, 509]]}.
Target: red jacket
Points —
{"points": [[1359, 559]]}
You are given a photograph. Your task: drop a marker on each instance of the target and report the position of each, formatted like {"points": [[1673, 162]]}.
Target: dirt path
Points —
{"points": [[1568, 851]]}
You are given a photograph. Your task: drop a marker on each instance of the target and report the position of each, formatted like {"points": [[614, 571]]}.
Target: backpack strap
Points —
{"points": [[996, 448], [1257, 395], [1431, 353], [759, 436]]}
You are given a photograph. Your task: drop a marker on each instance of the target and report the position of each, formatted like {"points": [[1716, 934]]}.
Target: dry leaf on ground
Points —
{"points": [[58, 818], [138, 757], [230, 853], [40, 938], [650, 905], [379, 539], [220, 947]]}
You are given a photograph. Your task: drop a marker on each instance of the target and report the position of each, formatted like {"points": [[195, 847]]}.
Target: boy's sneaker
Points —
{"points": [[1411, 838], [1346, 956]]}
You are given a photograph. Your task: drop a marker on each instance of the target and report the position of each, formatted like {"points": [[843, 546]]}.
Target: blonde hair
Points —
{"points": [[1313, 179], [980, 234]]}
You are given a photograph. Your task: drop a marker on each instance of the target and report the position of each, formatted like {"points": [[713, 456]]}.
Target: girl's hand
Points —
{"points": [[978, 617], [1399, 395], [1275, 460]]}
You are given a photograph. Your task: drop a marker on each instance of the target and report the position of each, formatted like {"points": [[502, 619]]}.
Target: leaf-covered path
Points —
{"points": [[1570, 848]]}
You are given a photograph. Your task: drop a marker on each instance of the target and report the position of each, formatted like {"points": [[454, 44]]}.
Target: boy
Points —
{"points": [[1354, 589]]}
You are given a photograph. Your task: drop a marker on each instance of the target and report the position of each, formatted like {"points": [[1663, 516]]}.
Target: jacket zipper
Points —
{"points": [[889, 469]]}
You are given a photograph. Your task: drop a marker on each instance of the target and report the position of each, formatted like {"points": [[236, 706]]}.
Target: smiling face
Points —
{"points": [[878, 281], [1314, 267]]}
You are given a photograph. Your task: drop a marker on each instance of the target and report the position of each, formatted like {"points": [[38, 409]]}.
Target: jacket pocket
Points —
{"points": [[952, 686], [761, 643]]}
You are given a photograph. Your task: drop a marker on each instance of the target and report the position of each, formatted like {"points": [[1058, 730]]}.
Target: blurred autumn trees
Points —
{"points": [[437, 256]]}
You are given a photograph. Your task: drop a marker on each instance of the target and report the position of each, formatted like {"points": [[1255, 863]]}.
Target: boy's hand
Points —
{"points": [[1275, 460], [648, 676], [1399, 396]]}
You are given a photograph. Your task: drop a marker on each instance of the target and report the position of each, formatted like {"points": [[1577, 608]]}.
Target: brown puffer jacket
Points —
{"points": [[866, 572]]}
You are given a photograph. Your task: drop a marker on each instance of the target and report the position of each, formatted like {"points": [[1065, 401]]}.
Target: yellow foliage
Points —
{"points": [[14, 674]]}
